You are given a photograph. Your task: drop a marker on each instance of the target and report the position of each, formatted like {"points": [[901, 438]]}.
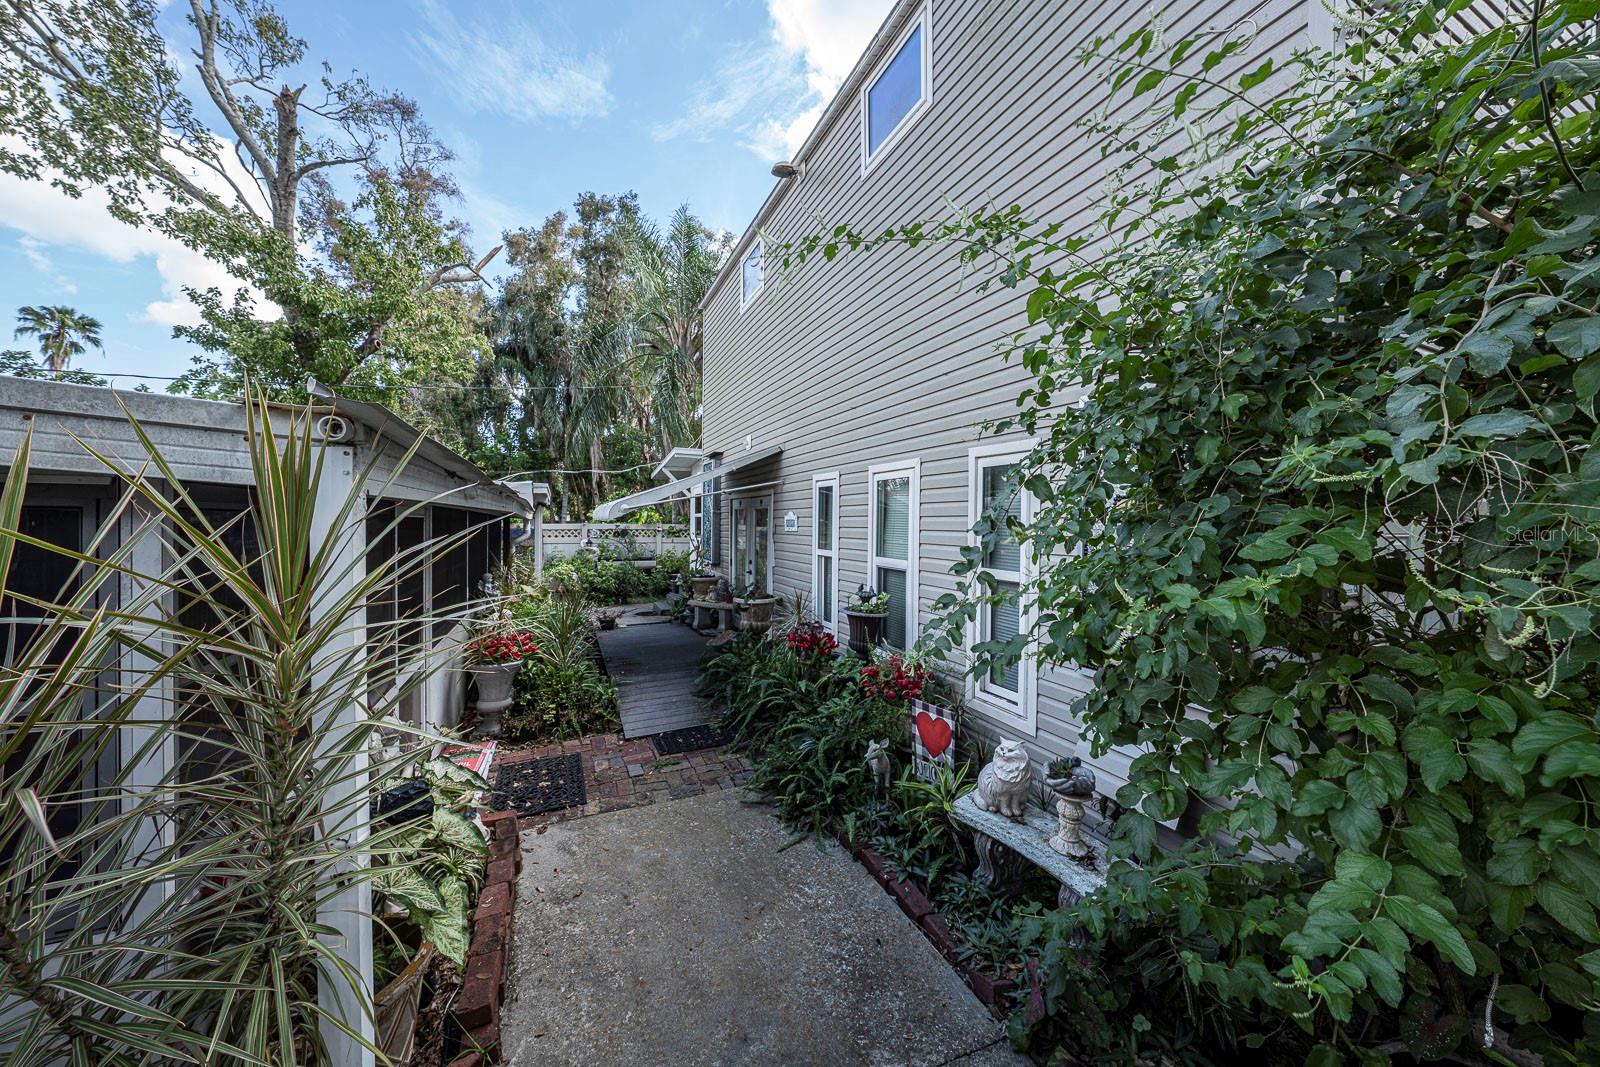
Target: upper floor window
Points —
{"points": [[752, 274], [897, 92]]}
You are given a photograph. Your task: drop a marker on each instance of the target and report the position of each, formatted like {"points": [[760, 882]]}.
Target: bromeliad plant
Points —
{"points": [[179, 907], [1326, 529]]}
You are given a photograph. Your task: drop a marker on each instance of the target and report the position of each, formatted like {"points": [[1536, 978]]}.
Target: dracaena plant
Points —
{"points": [[1324, 529], [175, 910]]}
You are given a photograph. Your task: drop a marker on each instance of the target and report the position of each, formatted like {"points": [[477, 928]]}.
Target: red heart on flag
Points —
{"points": [[935, 733]]}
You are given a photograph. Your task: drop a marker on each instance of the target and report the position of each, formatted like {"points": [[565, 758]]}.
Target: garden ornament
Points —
{"points": [[878, 762], [1071, 781], [1003, 784]]}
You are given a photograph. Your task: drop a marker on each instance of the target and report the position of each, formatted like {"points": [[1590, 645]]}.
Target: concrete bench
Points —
{"points": [[703, 610], [1004, 846]]}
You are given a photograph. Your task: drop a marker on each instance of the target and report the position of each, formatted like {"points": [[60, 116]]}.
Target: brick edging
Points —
{"points": [[483, 985], [994, 993]]}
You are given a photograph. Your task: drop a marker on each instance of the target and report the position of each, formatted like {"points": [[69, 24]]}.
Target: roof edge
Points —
{"points": [[848, 89]]}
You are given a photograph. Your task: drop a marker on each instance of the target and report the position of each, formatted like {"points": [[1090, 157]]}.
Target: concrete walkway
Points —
{"points": [[655, 665], [678, 934]]}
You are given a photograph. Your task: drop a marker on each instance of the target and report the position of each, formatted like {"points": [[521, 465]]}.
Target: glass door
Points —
{"points": [[752, 544]]}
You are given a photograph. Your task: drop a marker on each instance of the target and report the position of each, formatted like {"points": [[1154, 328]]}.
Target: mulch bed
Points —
{"points": [[534, 787], [691, 739]]}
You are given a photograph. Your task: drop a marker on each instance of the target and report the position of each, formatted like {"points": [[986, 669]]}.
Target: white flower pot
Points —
{"points": [[496, 683]]}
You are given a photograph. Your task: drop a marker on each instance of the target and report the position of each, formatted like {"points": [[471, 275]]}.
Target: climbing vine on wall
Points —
{"points": [[1327, 526]]}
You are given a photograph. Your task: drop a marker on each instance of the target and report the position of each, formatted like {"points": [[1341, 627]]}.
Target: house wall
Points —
{"points": [[886, 355]]}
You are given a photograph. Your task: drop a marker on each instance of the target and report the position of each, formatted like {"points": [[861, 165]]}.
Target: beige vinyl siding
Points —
{"points": [[891, 355]]}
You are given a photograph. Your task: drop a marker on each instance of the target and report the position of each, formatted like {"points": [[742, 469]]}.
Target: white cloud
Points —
{"points": [[48, 218], [40, 260], [502, 64], [829, 35], [772, 98]]}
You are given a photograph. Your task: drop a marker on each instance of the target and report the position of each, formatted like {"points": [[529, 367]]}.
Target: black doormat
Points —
{"points": [[691, 739], [541, 785]]}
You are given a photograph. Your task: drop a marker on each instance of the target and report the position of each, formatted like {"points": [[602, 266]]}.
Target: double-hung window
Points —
{"points": [[825, 548], [752, 273], [892, 546], [1006, 689], [897, 92]]}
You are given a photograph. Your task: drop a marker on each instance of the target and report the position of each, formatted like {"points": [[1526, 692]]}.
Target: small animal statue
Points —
{"points": [[878, 762], [1003, 784]]}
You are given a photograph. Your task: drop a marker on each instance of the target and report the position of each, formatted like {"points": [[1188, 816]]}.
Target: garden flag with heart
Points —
{"points": [[933, 739]]}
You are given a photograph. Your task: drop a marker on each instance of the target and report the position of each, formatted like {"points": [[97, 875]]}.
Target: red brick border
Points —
{"points": [[483, 986], [994, 993]]}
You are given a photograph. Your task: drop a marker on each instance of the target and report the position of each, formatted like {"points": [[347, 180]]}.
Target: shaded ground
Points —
{"points": [[679, 934], [655, 664]]}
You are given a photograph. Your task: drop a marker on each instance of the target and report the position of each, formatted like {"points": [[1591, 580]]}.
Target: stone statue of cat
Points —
{"points": [[1003, 784]]}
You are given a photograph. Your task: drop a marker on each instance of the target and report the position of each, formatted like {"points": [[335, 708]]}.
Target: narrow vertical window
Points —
{"points": [[893, 548], [997, 498], [752, 273], [824, 568]]}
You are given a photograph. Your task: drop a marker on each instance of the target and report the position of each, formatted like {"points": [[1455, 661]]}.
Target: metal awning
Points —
{"points": [[612, 510]]}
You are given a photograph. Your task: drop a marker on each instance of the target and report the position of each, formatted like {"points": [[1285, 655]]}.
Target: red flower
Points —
{"points": [[505, 648], [811, 640], [893, 681]]}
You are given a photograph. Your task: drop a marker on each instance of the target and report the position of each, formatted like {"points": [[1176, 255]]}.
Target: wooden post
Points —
{"points": [[148, 752], [349, 911]]}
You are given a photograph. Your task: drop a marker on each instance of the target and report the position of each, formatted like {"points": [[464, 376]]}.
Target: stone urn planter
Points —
{"points": [[496, 683], [866, 630], [1072, 782], [702, 586], [755, 613]]}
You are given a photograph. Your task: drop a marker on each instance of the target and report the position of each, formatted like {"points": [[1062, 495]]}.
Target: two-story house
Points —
{"points": [[844, 401]]}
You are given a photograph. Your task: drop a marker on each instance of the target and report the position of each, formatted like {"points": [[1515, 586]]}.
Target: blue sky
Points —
{"points": [[689, 100]]}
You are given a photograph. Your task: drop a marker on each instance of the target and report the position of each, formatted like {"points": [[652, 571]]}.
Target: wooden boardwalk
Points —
{"points": [[655, 665]]}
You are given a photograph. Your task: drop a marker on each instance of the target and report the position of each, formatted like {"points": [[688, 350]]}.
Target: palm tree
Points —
{"points": [[63, 333], [671, 275]]}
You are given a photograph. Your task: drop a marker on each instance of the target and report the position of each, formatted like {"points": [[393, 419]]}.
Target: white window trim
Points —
{"points": [[818, 481], [1021, 712], [758, 248], [912, 467], [870, 158]]}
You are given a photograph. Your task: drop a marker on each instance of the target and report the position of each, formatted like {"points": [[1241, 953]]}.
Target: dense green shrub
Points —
{"points": [[560, 690], [615, 581], [1331, 512], [561, 701]]}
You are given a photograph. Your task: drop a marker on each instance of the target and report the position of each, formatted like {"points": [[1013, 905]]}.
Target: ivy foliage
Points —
{"points": [[1325, 527]]}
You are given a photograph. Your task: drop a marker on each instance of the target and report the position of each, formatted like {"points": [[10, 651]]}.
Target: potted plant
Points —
{"points": [[702, 583], [494, 660], [867, 613], [755, 609]]}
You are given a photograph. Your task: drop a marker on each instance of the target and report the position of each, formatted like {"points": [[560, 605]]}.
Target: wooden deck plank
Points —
{"points": [[655, 666]]}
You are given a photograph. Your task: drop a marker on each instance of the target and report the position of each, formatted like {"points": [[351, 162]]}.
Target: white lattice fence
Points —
{"points": [[624, 540]]}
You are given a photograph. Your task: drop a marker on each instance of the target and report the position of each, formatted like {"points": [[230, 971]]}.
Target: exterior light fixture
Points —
{"points": [[784, 169]]}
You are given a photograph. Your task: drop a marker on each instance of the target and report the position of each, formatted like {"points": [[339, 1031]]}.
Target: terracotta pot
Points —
{"points": [[496, 682], [866, 630]]}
